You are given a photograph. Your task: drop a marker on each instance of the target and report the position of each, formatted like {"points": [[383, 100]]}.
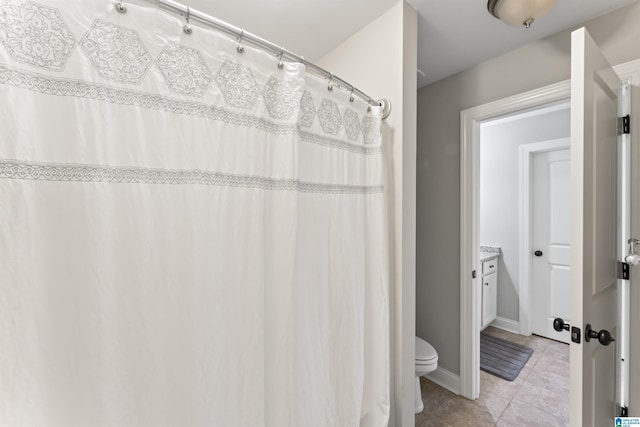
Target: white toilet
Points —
{"points": [[426, 361]]}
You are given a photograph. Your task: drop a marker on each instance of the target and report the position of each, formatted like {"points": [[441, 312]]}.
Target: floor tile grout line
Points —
{"points": [[503, 411]]}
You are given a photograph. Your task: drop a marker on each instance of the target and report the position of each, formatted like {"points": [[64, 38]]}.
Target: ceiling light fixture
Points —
{"points": [[520, 12]]}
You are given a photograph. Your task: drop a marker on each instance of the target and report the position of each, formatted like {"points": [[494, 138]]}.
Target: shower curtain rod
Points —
{"points": [[281, 52]]}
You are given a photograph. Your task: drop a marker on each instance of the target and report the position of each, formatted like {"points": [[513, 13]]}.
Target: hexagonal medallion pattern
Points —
{"points": [[237, 85], [116, 52], [329, 116], [371, 129], [35, 34], [184, 69], [352, 125], [280, 98], [307, 110]]}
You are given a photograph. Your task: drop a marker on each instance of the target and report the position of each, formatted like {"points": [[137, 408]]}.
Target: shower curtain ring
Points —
{"points": [[240, 48], [280, 63], [120, 7], [330, 87], [187, 28], [369, 104], [351, 98]]}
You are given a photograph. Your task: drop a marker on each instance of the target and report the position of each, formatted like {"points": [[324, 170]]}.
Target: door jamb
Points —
{"points": [[470, 120], [629, 73], [526, 153]]}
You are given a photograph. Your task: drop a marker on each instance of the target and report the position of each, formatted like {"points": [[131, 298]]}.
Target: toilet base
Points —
{"points": [[418, 397]]}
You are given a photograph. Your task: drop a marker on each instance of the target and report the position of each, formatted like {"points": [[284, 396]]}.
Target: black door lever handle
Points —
{"points": [[559, 324], [604, 336]]}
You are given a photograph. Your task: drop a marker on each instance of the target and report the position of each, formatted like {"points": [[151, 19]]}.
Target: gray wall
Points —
{"points": [[438, 161], [499, 191]]}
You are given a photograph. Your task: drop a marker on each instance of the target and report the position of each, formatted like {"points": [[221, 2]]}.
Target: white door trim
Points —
{"points": [[630, 390], [469, 241], [469, 177], [526, 153]]}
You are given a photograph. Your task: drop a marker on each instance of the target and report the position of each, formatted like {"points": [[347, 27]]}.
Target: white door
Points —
{"points": [[594, 286], [550, 239]]}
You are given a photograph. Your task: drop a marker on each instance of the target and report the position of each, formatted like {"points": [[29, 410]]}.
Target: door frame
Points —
{"points": [[470, 120], [525, 291], [470, 298], [629, 72]]}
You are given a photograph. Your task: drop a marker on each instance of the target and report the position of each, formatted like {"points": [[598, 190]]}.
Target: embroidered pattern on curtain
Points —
{"points": [[118, 54], [190, 235]]}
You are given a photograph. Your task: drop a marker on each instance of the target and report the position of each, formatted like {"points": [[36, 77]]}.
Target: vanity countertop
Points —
{"points": [[488, 252]]}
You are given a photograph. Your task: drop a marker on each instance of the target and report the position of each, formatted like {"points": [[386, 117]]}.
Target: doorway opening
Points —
{"points": [[524, 193], [523, 262], [502, 113]]}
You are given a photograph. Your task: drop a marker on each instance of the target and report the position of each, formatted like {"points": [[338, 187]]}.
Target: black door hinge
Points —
{"points": [[623, 271], [473, 274], [575, 334], [624, 411], [624, 126]]}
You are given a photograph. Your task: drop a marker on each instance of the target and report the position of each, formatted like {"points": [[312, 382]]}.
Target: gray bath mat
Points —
{"points": [[502, 358]]}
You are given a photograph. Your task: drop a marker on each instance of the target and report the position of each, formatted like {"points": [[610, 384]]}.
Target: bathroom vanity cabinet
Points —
{"points": [[489, 290]]}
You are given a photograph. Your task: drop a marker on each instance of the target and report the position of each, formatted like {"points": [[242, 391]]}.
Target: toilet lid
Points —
{"points": [[425, 351]]}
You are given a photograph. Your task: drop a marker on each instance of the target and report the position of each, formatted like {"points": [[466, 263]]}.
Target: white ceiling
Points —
{"points": [[453, 35]]}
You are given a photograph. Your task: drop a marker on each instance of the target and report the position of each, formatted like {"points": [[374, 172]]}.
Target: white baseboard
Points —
{"points": [[506, 324], [446, 379]]}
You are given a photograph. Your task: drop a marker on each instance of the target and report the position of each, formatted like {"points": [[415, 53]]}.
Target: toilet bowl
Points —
{"points": [[426, 361]]}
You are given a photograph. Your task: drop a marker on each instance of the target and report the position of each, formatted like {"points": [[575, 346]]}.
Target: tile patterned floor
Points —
{"points": [[539, 396]]}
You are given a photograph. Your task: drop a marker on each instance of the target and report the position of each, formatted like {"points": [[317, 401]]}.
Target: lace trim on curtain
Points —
{"points": [[11, 169]]}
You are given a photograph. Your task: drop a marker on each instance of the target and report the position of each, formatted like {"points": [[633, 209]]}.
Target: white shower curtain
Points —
{"points": [[189, 235]]}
